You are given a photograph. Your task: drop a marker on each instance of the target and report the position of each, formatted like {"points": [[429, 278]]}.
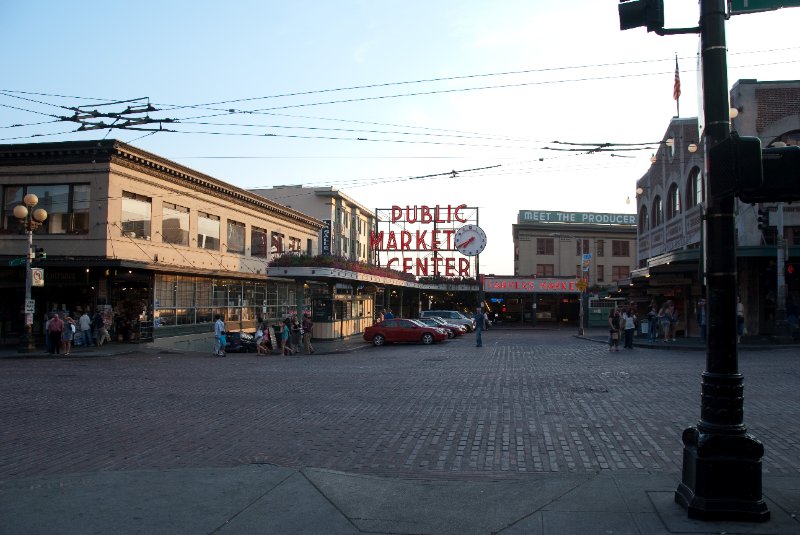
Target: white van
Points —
{"points": [[451, 316]]}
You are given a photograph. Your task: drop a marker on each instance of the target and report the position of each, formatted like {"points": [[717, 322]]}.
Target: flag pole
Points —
{"points": [[676, 88]]}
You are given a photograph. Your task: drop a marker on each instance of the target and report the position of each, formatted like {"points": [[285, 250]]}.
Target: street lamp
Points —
{"points": [[30, 219], [579, 244]]}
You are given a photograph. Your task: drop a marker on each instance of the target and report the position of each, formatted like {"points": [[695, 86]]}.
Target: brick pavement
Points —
{"points": [[527, 402]]}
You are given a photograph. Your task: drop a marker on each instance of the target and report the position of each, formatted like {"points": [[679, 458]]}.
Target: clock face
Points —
{"points": [[470, 240]]}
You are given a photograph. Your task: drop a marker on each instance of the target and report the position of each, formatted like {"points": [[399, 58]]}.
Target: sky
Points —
{"points": [[381, 99]]}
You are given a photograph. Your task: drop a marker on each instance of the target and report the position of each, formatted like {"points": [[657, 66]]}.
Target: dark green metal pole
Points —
{"points": [[721, 477]]}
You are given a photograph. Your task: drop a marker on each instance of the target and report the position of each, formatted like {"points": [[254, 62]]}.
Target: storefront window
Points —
{"points": [[259, 242], [136, 213], [175, 224]]}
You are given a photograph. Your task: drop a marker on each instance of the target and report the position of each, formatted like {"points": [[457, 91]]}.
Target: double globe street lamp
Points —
{"points": [[30, 219]]}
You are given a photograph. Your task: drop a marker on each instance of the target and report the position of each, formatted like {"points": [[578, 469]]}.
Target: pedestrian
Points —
{"points": [[701, 318], [664, 320], [388, 315], [478, 327], [296, 334], [285, 337], [380, 317], [652, 322], [85, 323], [613, 329], [220, 339], [47, 342], [308, 325], [54, 330], [739, 319], [67, 334], [629, 322], [99, 326], [673, 320]]}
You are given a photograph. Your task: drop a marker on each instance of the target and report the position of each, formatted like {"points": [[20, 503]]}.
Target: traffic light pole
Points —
{"points": [[721, 478]]}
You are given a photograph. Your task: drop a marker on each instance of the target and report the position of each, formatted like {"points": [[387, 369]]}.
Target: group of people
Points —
{"points": [[622, 323], [663, 320], [62, 331], [292, 334], [384, 314]]}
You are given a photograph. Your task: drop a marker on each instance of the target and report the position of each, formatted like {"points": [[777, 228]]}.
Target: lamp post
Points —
{"points": [[30, 219], [579, 247]]}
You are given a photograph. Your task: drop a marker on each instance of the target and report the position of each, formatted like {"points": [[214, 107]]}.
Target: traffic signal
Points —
{"points": [[791, 270], [763, 220], [635, 13], [38, 252], [758, 175]]}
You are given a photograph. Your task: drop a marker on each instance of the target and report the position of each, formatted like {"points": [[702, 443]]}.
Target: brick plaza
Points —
{"points": [[527, 402]]}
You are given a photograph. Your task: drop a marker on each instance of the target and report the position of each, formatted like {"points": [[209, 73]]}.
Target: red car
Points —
{"points": [[403, 330], [453, 330]]}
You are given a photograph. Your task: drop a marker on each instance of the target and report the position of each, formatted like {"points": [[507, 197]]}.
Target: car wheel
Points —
{"points": [[378, 340], [427, 339], [450, 334]]}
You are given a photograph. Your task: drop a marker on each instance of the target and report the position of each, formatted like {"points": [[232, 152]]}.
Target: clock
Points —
{"points": [[470, 240]]}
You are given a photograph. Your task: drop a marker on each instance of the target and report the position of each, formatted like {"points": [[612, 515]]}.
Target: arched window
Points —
{"points": [[673, 201], [657, 213], [644, 221], [694, 189]]}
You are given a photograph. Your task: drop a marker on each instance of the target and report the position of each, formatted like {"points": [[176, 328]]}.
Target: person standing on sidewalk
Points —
{"points": [[652, 321], [68, 334], [307, 326], [478, 327], [739, 319], [701, 318], [613, 329], [54, 328], [629, 320], [286, 347], [220, 340], [85, 323]]}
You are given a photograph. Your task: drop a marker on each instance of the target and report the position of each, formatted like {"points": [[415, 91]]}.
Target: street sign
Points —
{"points": [[17, 261], [30, 306], [737, 7], [582, 285]]}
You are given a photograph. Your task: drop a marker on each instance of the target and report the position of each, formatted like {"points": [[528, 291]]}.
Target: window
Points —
{"points": [[235, 243], [581, 246], [578, 271], [258, 242], [620, 248], [136, 212], [544, 270], [276, 247], [673, 201], [694, 188], [67, 207], [294, 245], [207, 231], [657, 213], [644, 220], [174, 224], [544, 246], [601, 273], [620, 272], [601, 247]]}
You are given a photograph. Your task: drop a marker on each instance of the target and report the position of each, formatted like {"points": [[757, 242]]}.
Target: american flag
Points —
{"points": [[676, 88]]}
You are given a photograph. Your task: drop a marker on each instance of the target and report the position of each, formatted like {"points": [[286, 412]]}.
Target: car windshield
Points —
{"points": [[438, 320], [417, 322]]}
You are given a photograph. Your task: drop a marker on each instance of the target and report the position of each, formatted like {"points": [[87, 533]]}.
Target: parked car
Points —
{"points": [[450, 316], [403, 330], [453, 329], [240, 342]]}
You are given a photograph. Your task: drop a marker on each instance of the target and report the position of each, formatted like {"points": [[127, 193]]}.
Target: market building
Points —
{"points": [[159, 248], [671, 200], [555, 255]]}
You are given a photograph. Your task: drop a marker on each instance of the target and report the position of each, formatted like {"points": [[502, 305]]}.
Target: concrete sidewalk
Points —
{"points": [[265, 499]]}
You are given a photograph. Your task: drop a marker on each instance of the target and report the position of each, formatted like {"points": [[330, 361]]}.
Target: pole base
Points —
{"points": [[722, 477]]}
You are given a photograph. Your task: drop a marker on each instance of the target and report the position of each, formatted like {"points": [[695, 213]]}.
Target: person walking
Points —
{"points": [[67, 334], [296, 334], [739, 319], [701, 318], [54, 329], [665, 320], [99, 326], [47, 342], [629, 321], [85, 323], [478, 327], [220, 340], [652, 322], [285, 337], [308, 325], [613, 329]]}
